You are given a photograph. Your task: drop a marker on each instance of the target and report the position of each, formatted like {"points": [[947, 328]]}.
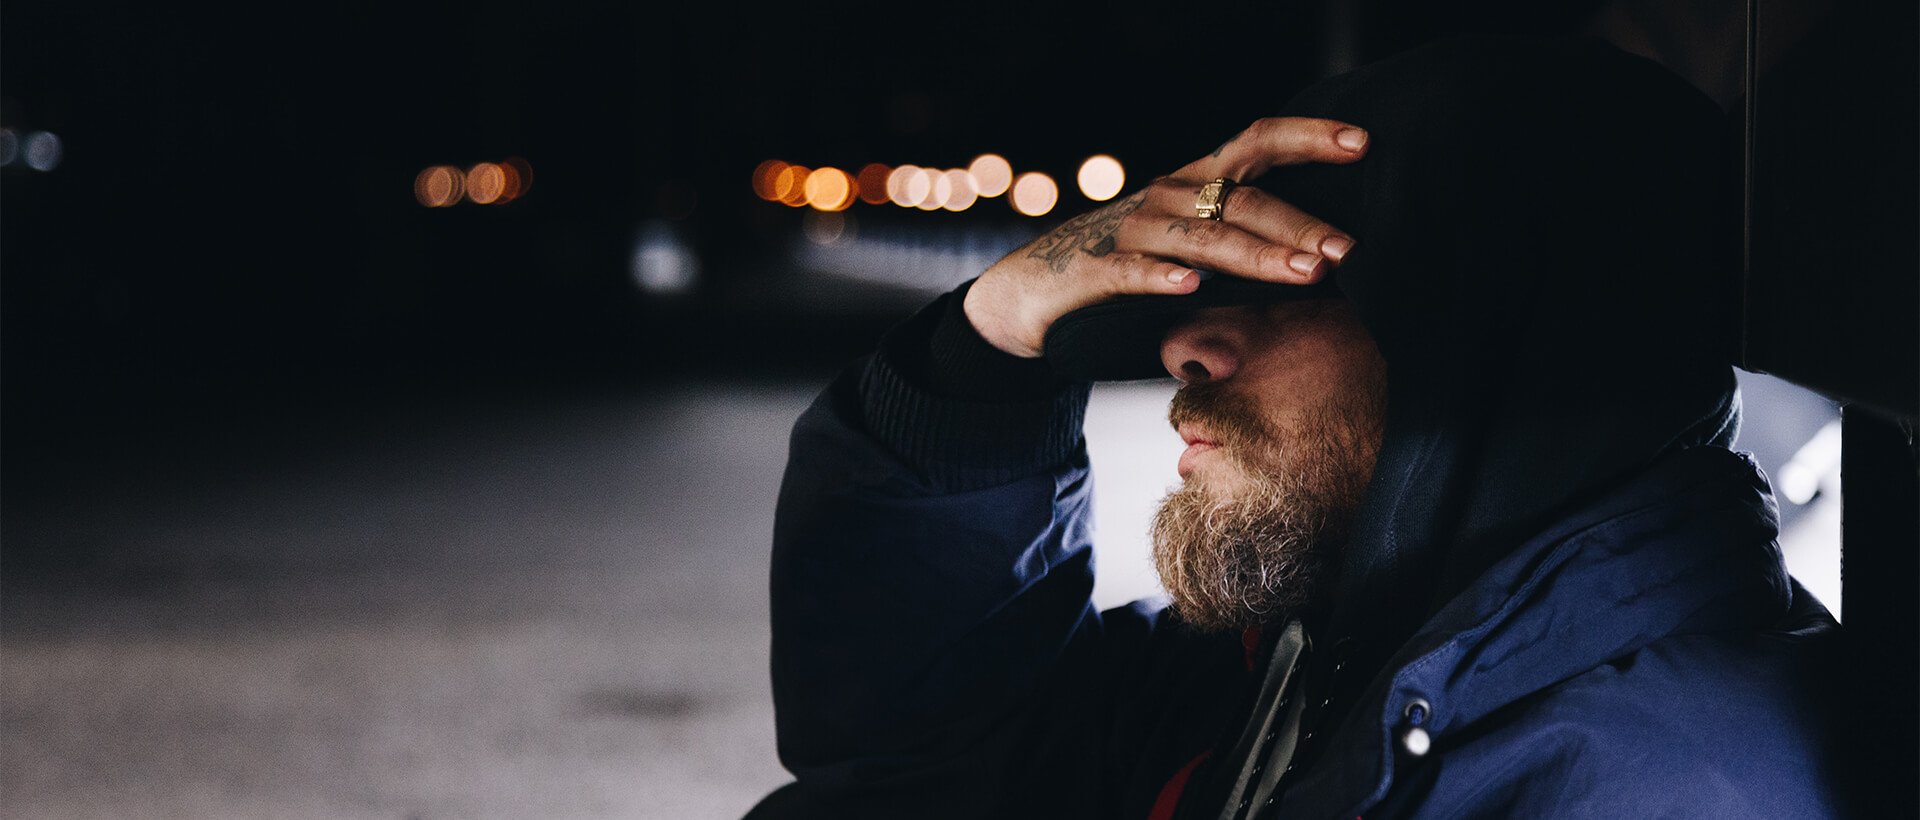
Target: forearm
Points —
{"points": [[931, 562]]}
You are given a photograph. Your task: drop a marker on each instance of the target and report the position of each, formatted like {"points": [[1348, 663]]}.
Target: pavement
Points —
{"points": [[530, 609]]}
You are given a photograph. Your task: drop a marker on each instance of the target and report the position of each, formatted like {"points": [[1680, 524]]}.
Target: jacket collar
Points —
{"points": [[1687, 546]]}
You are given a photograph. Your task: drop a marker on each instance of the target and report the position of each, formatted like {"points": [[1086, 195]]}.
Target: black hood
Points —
{"points": [[1546, 255]]}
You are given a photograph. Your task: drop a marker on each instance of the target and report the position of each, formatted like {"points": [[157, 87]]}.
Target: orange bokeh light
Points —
{"points": [[871, 184], [790, 185], [765, 177], [519, 178], [439, 186], [829, 189], [485, 183]]}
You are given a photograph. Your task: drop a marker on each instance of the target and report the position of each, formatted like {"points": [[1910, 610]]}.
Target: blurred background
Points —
{"points": [[394, 395]]}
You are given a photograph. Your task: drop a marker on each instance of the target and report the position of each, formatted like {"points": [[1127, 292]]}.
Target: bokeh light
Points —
{"points": [[960, 193], [765, 175], [938, 189], [900, 185], [829, 189], [1034, 194], [872, 184], [1101, 177], [790, 185], [439, 186], [942, 191], [992, 175], [827, 228], [936, 192], [519, 179], [43, 151], [485, 183], [919, 187], [663, 263]]}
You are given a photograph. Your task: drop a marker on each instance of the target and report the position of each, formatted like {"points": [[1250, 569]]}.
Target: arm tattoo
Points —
{"points": [[1089, 233]]}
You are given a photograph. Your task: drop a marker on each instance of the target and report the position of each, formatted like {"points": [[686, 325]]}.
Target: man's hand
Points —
{"points": [[1149, 242]]}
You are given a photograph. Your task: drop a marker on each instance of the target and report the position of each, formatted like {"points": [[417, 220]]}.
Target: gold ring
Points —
{"points": [[1212, 203]]}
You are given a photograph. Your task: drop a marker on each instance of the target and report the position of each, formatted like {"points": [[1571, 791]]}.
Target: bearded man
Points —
{"points": [[1458, 532]]}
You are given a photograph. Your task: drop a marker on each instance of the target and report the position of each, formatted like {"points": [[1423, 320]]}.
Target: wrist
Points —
{"points": [[990, 308]]}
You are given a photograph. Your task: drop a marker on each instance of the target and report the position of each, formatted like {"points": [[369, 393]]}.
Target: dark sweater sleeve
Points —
{"points": [[962, 413]]}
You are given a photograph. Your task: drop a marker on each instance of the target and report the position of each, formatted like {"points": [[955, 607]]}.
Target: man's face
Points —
{"points": [[1282, 407]]}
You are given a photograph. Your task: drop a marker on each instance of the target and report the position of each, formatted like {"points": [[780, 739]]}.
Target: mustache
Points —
{"points": [[1231, 419]]}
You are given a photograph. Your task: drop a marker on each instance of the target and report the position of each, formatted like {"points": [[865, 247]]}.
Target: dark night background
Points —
{"points": [[234, 214], [319, 502], [235, 210]]}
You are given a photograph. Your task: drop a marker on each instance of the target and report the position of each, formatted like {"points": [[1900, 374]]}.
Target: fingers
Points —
{"points": [[1261, 237], [1143, 274], [1275, 220], [1280, 141], [1221, 246]]}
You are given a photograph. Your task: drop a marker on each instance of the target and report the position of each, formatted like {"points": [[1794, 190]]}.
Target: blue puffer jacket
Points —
{"points": [[936, 655]]}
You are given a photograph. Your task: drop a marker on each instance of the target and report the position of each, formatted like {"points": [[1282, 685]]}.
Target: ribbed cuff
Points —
{"points": [[962, 413], [960, 364]]}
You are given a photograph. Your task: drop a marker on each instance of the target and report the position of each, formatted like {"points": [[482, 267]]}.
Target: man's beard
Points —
{"points": [[1248, 555]]}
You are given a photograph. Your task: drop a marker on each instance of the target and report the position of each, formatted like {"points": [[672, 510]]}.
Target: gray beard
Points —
{"points": [[1230, 561]]}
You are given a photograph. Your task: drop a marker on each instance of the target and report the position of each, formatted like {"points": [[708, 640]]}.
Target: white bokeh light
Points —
{"points": [[992, 175], [43, 151], [1034, 194], [662, 261], [1101, 177]]}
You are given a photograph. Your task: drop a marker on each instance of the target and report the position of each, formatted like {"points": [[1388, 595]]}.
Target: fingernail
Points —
{"points": [[1352, 139], [1336, 247], [1303, 262], [1178, 276]]}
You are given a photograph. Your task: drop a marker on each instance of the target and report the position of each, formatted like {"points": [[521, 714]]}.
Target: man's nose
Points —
{"points": [[1202, 349]]}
